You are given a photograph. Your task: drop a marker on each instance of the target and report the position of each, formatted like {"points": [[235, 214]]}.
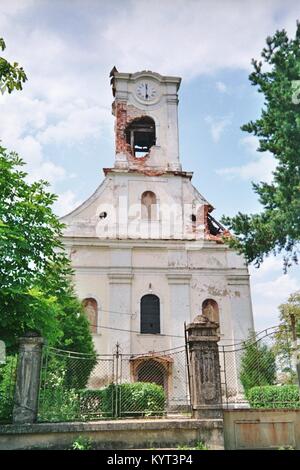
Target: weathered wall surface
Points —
{"points": [[129, 434], [243, 429], [117, 275], [261, 429]]}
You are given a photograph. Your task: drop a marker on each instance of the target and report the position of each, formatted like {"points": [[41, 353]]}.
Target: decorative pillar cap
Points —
{"points": [[202, 329]]}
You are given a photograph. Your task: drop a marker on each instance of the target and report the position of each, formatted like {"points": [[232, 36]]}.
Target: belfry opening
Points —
{"points": [[140, 135]]}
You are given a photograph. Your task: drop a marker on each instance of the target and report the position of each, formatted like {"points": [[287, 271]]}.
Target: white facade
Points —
{"points": [[121, 252]]}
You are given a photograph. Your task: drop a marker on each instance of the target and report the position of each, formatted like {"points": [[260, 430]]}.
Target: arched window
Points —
{"points": [[149, 205], [140, 135], [91, 310], [210, 309], [152, 371], [150, 314]]}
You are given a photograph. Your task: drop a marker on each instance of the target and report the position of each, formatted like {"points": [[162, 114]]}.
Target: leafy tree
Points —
{"points": [[276, 229], [258, 365], [36, 290], [11, 75], [284, 345], [291, 309]]}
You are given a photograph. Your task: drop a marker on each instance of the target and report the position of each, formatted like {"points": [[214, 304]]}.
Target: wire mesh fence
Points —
{"points": [[80, 387], [8, 372], [260, 372]]}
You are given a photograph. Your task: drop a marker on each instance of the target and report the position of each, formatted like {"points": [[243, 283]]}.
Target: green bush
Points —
{"points": [[133, 399], [62, 380], [59, 405], [258, 365], [273, 396], [7, 386], [56, 402], [91, 403], [124, 400], [78, 371], [82, 443]]}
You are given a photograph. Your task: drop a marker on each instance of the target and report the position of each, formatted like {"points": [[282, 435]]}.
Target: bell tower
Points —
{"points": [[146, 121]]}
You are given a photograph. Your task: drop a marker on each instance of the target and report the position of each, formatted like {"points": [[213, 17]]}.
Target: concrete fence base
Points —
{"points": [[126, 434], [262, 429]]}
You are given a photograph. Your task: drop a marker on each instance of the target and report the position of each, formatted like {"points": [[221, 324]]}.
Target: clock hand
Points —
{"points": [[146, 95]]}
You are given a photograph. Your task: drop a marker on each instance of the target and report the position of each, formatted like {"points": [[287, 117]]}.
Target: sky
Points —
{"points": [[61, 123]]}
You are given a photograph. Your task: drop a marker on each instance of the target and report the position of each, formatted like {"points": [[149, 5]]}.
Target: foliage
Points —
{"points": [[78, 371], [286, 448], [291, 307], [284, 346], [258, 366], [274, 396], [198, 446], [82, 443], [62, 380], [276, 229], [11, 75], [56, 402], [36, 292], [91, 403], [7, 385], [133, 399]]}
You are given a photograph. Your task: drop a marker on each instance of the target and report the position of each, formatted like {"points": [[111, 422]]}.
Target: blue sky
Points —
{"points": [[61, 122]]}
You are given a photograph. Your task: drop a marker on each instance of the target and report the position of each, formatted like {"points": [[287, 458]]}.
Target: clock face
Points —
{"points": [[146, 91]]}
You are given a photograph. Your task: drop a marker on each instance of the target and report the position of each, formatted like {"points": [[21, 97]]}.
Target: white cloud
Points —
{"points": [[270, 265], [260, 168], [268, 295], [80, 124], [270, 288], [221, 87], [67, 96], [66, 202], [250, 143], [278, 289], [191, 38], [218, 125]]}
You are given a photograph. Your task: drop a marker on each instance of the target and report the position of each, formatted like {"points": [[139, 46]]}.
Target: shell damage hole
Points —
{"points": [[140, 135]]}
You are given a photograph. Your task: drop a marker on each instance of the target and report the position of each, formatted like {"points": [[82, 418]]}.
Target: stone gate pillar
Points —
{"points": [[205, 377], [28, 379]]}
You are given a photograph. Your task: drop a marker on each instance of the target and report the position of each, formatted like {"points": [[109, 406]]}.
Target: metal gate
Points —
{"points": [[249, 367], [83, 387]]}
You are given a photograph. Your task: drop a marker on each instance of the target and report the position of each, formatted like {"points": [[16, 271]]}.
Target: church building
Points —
{"points": [[147, 252]]}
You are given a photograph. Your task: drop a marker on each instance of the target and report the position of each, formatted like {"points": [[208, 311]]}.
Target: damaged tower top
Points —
{"points": [[146, 121]]}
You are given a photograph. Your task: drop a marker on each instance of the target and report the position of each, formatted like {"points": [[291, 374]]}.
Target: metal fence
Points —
{"points": [[8, 372], [257, 373], [260, 372], [81, 387]]}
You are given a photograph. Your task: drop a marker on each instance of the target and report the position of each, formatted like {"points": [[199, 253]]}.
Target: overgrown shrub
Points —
{"points": [[133, 399], [82, 443], [59, 405], [258, 365], [78, 371], [124, 400], [274, 396], [7, 386], [56, 402], [62, 381], [91, 403]]}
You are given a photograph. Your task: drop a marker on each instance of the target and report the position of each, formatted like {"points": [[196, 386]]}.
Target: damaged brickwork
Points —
{"points": [[124, 115]]}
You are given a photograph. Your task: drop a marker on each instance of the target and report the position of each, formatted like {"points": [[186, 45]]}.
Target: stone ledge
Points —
{"points": [[121, 434], [127, 425]]}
